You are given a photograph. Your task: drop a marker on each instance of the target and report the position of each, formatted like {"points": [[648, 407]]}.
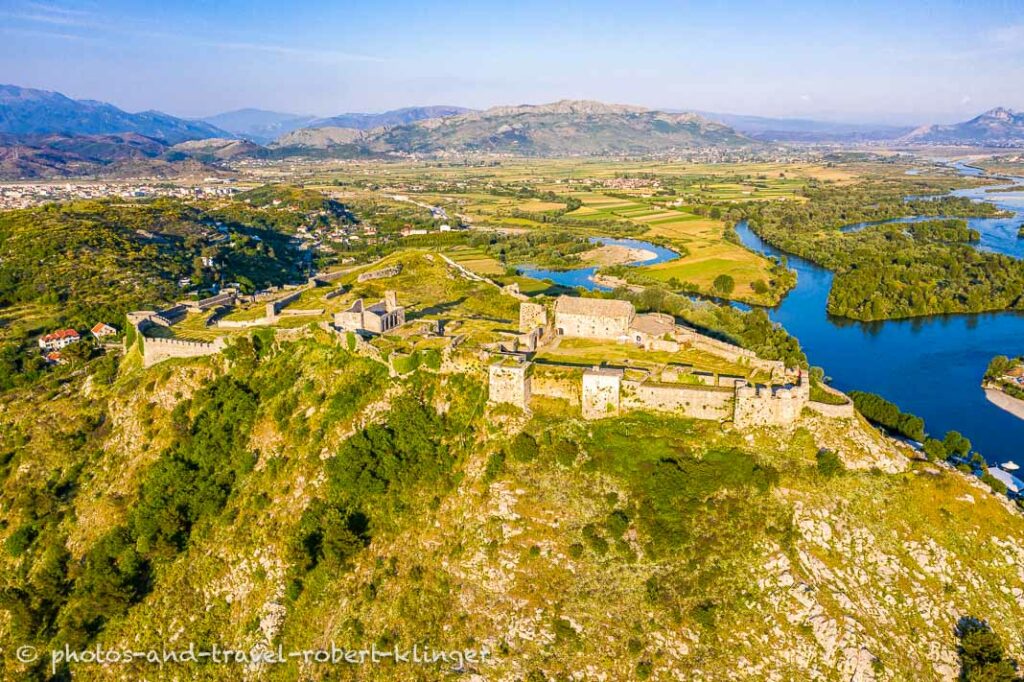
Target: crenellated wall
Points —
{"points": [[156, 350], [274, 307]]}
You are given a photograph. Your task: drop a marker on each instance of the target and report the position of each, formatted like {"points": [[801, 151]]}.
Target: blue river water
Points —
{"points": [[930, 366], [584, 277]]}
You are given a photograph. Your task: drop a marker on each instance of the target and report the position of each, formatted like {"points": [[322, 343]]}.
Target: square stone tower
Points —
{"points": [[509, 382], [601, 388], [532, 316]]}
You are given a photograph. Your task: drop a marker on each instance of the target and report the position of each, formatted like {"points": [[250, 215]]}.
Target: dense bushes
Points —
{"points": [[753, 330], [881, 411], [893, 270], [981, 653]]}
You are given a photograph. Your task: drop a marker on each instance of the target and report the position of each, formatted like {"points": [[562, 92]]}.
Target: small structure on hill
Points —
{"points": [[389, 271], [58, 339], [102, 329], [379, 318]]}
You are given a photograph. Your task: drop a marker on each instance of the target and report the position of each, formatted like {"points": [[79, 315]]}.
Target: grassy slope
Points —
{"points": [[730, 554]]}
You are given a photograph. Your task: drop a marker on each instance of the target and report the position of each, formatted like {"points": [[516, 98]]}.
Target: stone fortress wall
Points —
{"points": [[604, 391], [156, 350], [390, 271]]}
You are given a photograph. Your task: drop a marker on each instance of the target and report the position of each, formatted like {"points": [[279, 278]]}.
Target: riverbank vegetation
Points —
{"points": [[893, 270], [1006, 374]]}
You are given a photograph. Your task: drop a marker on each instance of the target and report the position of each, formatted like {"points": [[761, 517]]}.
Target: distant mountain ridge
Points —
{"points": [[264, 126], [771, 129], [259, 125], [394, 117], [564, 128], [999, 127], [26, 111]]}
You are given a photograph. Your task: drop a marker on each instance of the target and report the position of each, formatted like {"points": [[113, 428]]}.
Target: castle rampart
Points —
{"points": [[156, 349]]}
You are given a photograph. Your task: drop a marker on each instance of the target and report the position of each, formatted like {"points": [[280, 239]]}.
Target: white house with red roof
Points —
{"points": [[59, 339], [102, 329]]}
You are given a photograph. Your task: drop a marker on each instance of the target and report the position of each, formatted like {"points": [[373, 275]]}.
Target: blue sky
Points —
{"points": [[909, 61]]}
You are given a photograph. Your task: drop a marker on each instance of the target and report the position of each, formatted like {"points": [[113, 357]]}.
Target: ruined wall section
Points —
{"points": [[697, 402], [601, 393], [509, 383]]}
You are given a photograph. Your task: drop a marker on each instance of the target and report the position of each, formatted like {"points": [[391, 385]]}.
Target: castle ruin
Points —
{"points": [[607, 391]]}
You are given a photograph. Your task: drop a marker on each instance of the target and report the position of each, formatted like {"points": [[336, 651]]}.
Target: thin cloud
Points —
{"points": [[1012, 35], [57, 15], [56, 9], [330, 55], [34, 33]]}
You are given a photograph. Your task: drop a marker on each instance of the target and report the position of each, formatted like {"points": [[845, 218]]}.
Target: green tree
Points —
{"points": [[956, 443], [724, 284], [981, 653]]}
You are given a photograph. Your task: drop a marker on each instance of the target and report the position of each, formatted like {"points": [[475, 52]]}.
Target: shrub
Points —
{"points": [[829, 463], [981, 653], [524, 447], [935, 450], [20, 540], [495, 463]]}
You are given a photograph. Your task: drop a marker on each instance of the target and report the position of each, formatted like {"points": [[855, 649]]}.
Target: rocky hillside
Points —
{"points": [[395, 117], [216, 149], [342, 141], [56, 155], [290, 492], [998, 127], [567, 128], [25, 111]]}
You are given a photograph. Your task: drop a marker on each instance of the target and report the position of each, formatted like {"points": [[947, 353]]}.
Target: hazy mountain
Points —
{"points": [[341, 140], [217, 149], [566, 128], [24, 111], [806, 130], [259, 125], [58, 155], [264, 126], [998, 127], [396, 117]]}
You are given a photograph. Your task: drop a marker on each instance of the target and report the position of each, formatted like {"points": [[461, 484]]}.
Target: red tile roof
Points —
{"points": [[61, 334]]}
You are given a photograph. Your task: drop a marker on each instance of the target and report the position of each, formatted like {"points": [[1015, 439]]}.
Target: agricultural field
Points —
{"points": [[682, 206]]}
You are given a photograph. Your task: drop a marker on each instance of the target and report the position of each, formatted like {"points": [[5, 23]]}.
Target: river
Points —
{"points": [[584, 277], [930, 366]]}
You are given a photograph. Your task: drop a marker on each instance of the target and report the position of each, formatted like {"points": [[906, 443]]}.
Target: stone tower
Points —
{"points": [[532, 316], [509, 382], [601, 388]]}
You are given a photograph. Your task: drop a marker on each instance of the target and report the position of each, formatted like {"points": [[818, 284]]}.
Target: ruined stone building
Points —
{"points": [[593, 318], [379, 318], [509, 382]]}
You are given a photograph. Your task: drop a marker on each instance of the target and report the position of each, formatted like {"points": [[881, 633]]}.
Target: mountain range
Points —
{"points": [[999, 127], [263, 126], [806, 130], [565, 128], [46, 134], [25, 111]]}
